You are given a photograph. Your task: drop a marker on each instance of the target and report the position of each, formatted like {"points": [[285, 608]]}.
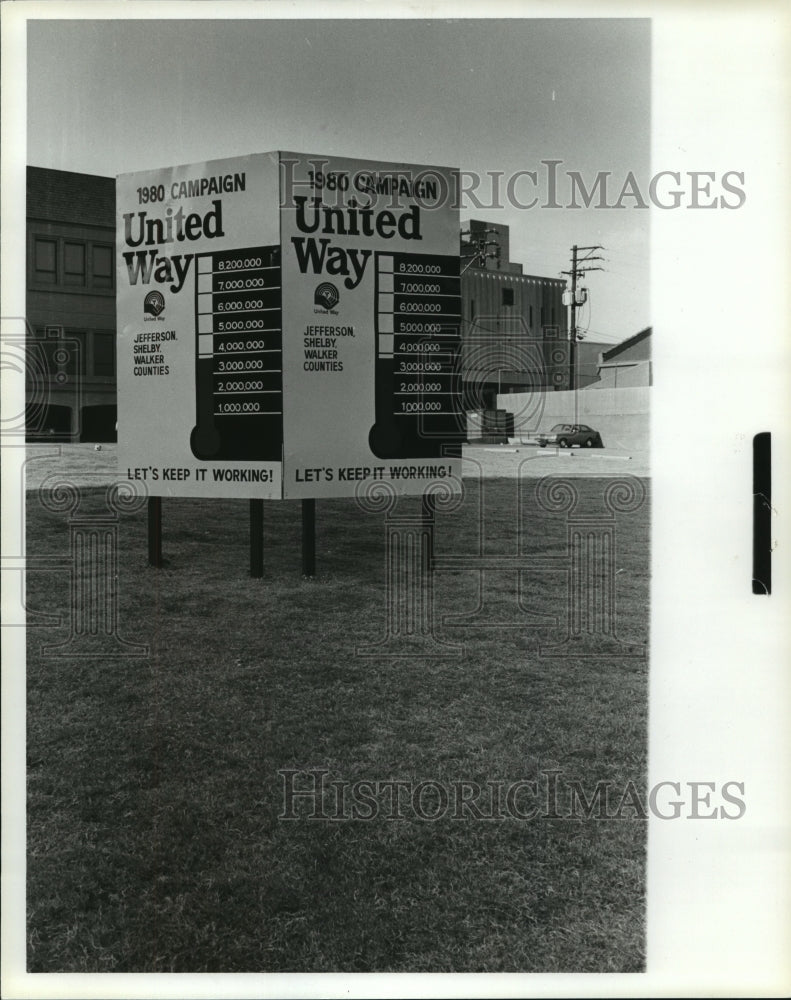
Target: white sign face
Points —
{"points": [[371, 300], [200, 408], [288, 327]]}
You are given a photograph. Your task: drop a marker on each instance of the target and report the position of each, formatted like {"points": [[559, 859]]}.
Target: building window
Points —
{"points": [[45, 263], [102, 269], [508, 296], [472, 309], [530, 316], [73, 263]]}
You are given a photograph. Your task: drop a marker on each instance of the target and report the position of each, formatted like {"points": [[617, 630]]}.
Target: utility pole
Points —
{"points": [[479, 247], [577, 270], [573, 324]]}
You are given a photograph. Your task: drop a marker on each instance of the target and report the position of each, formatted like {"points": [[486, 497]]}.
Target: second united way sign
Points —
{"points": [[289, 326]]}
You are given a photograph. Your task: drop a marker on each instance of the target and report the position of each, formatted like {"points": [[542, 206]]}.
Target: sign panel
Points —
{"points": [[288, 326], [199, 329], [371, 296]]}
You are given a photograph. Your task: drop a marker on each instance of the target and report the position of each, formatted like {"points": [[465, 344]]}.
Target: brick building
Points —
{"points": [[514, 325], [70, 272]]}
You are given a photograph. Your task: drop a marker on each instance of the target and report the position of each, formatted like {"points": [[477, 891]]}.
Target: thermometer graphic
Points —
{"points": [[238, 356], [417, 317]]}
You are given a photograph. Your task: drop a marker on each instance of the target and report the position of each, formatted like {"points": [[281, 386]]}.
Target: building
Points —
{"points": [[514, 325], [71, 385], [627, 364], [587, 362]]}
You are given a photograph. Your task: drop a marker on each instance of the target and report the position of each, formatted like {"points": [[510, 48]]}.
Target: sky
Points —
{"points": [[488, 96]]}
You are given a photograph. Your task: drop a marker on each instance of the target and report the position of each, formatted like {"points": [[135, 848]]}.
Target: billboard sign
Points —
{"points": [[288, 326]]}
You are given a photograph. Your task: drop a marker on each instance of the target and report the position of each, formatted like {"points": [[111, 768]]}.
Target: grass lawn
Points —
{"points": [[154, 843]]}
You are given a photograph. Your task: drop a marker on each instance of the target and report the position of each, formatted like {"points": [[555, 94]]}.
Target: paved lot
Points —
{"points": [[531, 461]]}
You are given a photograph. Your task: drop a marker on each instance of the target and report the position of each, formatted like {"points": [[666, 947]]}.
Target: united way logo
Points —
{"points": [[154, 304], [326, 296]]}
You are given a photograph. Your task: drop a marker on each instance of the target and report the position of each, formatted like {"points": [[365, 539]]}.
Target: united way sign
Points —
{"points": [[288, 326]]}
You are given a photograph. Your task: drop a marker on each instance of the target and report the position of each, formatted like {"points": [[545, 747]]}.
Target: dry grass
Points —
{"points": [[153, 833]]}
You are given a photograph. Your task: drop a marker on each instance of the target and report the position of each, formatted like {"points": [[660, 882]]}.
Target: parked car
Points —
{"points": [[567, 435]]}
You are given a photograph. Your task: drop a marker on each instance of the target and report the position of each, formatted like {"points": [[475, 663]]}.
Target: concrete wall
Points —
{"points": [[620, 415]]}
